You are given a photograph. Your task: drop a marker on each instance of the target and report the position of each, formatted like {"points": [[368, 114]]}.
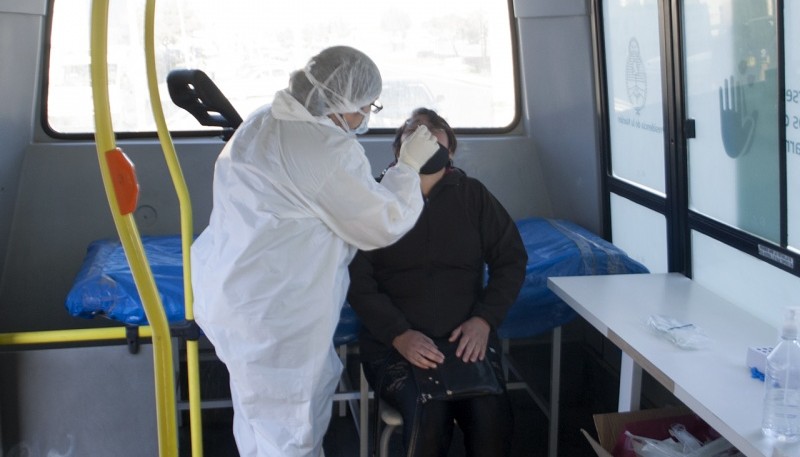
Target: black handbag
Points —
{"points": [[455, 379]]}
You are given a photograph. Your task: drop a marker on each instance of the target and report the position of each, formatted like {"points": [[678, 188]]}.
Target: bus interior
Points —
{"points": [[658, 138]]}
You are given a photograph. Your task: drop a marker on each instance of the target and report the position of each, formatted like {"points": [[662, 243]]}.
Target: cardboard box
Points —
{"points": [[610, 425]]}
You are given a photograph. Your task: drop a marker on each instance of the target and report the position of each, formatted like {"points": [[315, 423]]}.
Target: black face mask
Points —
{"points": [[438, 160]]}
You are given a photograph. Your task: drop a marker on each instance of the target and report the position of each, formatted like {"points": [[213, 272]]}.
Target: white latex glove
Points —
{"points": [[418, 148]]}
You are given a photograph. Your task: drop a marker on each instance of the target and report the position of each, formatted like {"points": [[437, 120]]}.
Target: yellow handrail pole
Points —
{"points": [[130, 238], [71, 336], [187, 227]]}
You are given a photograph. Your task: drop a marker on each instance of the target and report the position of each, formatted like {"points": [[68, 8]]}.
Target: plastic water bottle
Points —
{"points": [[781, 418]]}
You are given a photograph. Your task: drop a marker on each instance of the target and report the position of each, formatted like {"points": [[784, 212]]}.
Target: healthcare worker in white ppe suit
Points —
{"points": [[294, 198]]}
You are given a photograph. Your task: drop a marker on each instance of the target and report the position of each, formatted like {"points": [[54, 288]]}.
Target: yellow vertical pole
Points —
{"points": [[187, 228], [121, 188]]}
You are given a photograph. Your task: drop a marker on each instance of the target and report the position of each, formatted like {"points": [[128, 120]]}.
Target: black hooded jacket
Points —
{"points": [[432, 279]]}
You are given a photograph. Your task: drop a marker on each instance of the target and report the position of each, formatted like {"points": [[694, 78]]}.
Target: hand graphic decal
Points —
{"points": [[737, 124]]}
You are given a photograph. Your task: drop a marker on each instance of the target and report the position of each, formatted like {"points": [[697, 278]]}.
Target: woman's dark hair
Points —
{"points": [[435, 121]]}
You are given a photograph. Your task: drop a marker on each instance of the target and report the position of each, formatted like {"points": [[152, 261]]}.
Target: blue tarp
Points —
{"points": [[104, 285], [558, 248]]}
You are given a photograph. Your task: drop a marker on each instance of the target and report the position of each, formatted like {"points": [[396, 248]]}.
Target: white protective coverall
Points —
{"points": [[294, 197]]}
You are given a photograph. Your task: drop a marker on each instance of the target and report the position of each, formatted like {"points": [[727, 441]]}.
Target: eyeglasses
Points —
{"points": [[375, 107]]}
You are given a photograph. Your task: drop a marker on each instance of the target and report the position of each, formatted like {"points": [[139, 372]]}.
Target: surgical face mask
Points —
{"points": [[352, 132], [364, 125], [438, 160]]}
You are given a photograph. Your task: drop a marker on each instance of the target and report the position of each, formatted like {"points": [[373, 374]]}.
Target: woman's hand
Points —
{"points": [[474, 334], [418, 349]]}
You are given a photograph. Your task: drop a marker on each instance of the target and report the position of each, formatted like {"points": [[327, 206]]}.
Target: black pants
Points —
{"points": [[486, 421]]}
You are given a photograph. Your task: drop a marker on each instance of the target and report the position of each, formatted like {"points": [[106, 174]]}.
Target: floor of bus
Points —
{"points": [[588, 385]]}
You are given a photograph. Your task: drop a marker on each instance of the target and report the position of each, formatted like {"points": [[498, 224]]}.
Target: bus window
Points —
{"points": [[452, 55]]}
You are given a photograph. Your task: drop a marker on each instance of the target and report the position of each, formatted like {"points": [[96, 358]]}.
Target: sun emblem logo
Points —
{"points": [[635, 76]]}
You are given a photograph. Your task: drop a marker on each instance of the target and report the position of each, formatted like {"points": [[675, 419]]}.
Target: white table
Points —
{"points": [[714, 382]]}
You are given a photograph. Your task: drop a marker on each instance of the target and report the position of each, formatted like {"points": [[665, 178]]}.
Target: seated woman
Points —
{"points": [[430, 285]]}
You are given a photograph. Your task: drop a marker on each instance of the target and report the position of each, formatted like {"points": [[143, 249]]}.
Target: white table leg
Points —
{"points": [[555, 389], [630, 384]]}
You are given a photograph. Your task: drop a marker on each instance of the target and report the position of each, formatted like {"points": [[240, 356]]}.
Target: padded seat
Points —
{"points": [[348, 328]]}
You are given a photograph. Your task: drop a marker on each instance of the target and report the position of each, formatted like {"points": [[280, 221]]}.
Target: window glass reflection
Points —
{"points": [[731, 65], [455, 58], [633, 67]]}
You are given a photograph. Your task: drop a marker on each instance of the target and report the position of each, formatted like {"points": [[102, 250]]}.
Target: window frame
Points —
{"points": [[681, 220], [212, 133]]}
